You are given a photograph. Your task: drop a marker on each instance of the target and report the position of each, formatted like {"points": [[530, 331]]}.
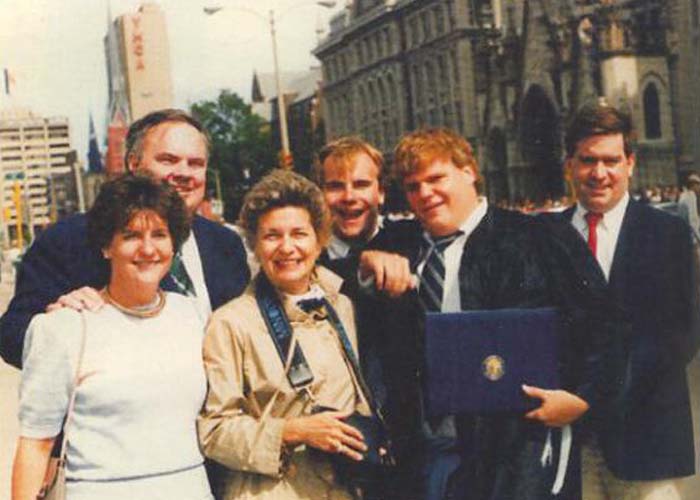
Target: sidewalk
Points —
{"points": [[9, 384]]}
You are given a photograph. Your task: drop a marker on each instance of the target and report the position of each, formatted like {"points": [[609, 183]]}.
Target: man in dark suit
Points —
{"points": [[646, 441], [472, 256], [61, 269]]}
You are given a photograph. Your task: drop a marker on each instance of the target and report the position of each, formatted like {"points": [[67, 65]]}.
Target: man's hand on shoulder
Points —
{"points": [[391, 272], [85, 298]]}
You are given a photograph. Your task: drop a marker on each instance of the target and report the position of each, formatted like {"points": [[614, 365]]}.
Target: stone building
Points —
{"points": [[686, 20], [509, 73]]}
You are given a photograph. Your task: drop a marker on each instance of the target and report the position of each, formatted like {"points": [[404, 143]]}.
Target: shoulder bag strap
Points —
{"points": [[74, 390], [350, 355]]}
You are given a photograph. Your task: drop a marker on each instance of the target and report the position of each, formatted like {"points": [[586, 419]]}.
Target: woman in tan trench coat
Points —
{"points": [[262, 430]]}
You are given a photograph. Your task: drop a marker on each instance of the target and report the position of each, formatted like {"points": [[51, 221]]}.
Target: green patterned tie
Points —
{"points": [[180, 277]]}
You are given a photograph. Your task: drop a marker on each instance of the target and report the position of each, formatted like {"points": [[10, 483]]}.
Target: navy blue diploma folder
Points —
{"points": [[477, 361]]}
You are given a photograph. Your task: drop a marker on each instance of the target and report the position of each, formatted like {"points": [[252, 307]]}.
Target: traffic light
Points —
{"points": [[17, 200], [286, 160]]}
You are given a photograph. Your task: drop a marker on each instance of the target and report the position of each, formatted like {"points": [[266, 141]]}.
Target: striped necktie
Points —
{"points": [[432, 278], [182, 280]]}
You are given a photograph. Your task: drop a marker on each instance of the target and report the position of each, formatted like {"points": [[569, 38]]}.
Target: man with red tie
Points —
{"points": [[645, 442]]}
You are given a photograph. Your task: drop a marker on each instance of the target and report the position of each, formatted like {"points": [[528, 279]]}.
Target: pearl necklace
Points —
{"points": [[148, 311]]}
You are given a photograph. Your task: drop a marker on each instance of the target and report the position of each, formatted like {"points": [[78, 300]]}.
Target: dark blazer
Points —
{"points": [[649, 434], [61, 259]]}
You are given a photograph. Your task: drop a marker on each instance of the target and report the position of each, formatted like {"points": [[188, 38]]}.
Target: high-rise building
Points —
{"points": [[37, 170], [138, 73]]}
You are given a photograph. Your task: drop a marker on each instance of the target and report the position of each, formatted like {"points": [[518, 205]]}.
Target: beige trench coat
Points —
{"points": [[245, 374]]}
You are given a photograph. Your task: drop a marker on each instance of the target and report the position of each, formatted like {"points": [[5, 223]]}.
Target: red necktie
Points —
{"points": [[592, 219]]}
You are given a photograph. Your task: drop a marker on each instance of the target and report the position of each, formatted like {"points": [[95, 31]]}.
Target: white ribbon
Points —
{"points": [[564, 452]]}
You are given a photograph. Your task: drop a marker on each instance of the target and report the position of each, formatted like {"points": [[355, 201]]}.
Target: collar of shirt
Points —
{"points": [[315, 292], [608, 231], [193, 264], [467, 227], [339, 249], [611, 221], [451, 300]]}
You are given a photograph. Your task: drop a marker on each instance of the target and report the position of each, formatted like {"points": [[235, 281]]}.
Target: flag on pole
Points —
{"points": [[9, 80], [94, 157]]}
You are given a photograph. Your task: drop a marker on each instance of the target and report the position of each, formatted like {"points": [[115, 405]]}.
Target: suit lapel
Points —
{"points": [[206, 258], [624, 250], [588, 260], [203, 247]]}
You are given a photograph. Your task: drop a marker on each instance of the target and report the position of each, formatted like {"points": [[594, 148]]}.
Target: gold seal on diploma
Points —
{"points": [[493, 367]]}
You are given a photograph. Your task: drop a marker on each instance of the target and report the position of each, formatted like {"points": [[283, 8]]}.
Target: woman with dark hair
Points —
{"points": [[136, 365], [272, 421]]}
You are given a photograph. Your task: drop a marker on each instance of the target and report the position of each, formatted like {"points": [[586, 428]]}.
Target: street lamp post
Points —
{"points": [[281, 104]]}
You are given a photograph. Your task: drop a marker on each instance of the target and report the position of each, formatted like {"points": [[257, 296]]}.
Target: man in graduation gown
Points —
{"points": [[469, 255]]}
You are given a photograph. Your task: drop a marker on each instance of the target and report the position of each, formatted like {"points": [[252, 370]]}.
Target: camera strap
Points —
{"points": [[299, 373]]}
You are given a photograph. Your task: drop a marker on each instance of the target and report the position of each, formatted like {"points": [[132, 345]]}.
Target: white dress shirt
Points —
{"points": [[453, 257], [193, 266], [607, 231], [338, 248]]}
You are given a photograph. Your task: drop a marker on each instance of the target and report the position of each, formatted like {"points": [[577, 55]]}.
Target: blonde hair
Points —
{"points": [[343, 151], [420, 148]]}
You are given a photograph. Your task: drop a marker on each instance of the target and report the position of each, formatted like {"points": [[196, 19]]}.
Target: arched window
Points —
{"points": [[364, 110], [652, 115]]}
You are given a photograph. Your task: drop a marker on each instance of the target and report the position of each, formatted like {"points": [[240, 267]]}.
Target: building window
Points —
{"points": [[442, 72], [413, 30], [652, 115], [378, 47], [368, 50], [418, 86], [451, 18], [439, 20], [455, 66], [427, 26]]}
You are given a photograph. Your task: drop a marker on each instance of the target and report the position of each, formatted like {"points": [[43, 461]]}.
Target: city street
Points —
{"points": [[9, 381]]}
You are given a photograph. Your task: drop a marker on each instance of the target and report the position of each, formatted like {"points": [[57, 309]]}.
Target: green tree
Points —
{"points": [[241, 150]]}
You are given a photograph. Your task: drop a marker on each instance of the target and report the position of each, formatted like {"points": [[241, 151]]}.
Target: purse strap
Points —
{"points": [[74, 390]]}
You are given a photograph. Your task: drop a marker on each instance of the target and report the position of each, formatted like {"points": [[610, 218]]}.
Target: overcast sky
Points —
{"points": [[54, 50]]}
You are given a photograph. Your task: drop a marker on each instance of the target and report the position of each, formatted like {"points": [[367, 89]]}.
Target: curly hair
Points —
{"points": [[343, 151], [279, 189], [420, 148], [121, 198], [138, 130], [599, 119]]}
